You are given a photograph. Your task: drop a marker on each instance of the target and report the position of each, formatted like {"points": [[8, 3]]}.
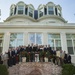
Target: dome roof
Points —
{"points": [[20, 2], [52, 19], [50, 3], [18, 18], [22, 11]]}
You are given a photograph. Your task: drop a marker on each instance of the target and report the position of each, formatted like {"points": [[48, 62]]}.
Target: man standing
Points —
{"points": [[69, 58], [65, 58], [1, 62]]}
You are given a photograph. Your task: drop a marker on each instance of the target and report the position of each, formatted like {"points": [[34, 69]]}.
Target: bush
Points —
{"points": [[68, 69], [42, 53], [3, 70]]}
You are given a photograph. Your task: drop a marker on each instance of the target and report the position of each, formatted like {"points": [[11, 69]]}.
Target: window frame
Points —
{"points": [[72, 39], [16, 39], [20, 9], [41, 12], [31, 10], [50, 12], [54, 40], [35, 33]]}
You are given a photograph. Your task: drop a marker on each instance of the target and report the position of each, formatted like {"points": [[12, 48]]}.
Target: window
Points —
{"points": [[50, 10], [11, 12], [56, 11], [35, 38], [16, 39], [54, 41], [30, 12], [26, 10], [20, 9], [59, 12], [41, 12], [70, 43], [15, 10], [1, 42], [45, 11]]}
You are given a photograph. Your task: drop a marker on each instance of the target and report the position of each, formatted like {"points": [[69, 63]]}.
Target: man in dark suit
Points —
{"points": [[69, 58], [13, 56], [9, 58], [54, 58], [50, 50], [65, 58], [28, 48], [45, 48], [1, 62]]}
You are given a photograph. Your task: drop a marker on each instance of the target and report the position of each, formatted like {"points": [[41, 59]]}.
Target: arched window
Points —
{"points": [[15, 10], [41, 12], [20, 9], [50, 10], [11, 12], [45, 11], [56, 11], [30, 12], [59, 12]]}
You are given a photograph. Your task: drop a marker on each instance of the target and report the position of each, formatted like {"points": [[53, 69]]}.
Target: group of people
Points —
{"points": [[14, 55]]}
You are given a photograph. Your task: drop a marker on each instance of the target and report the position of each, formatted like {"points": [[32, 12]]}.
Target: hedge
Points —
{"points": [[68, 69], [3, 70]]}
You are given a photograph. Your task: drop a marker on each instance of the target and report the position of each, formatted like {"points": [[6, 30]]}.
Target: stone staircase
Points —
{"points": [[35, 68]]}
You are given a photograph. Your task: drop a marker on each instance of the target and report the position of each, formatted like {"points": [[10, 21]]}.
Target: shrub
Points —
{"points": [[3, 70], [42, 53], [68, 69]]}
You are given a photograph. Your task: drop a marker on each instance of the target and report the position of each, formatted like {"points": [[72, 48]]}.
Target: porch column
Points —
{"points": [[63, 42], [25, 38], [45, 38], [6, 42]]}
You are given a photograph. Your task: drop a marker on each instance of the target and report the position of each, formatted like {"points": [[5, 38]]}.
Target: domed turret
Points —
{"points": [[50, 11], [22, 9]]}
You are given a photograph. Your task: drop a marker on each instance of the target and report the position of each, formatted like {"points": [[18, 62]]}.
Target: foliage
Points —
{"points": [[24, 54], [42, 54], [68, 69], [27, 57], [3, 70], [47, 54]]}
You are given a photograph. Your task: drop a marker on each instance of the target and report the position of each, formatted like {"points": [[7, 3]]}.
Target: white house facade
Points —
{"points": [[43, 26]]}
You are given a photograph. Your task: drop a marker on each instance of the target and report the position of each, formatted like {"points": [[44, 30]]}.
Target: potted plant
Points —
{"points": [[46, 58], [41, 55], [24, 53]]}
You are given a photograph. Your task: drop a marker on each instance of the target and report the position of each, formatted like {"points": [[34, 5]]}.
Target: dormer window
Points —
{"points": [[30, 12], [50, 10], [41, 12], [11, 12], [59, 12], [20, 9]]}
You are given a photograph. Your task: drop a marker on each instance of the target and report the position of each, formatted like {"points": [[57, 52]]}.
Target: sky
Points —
{"points": [[68, 7]]}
